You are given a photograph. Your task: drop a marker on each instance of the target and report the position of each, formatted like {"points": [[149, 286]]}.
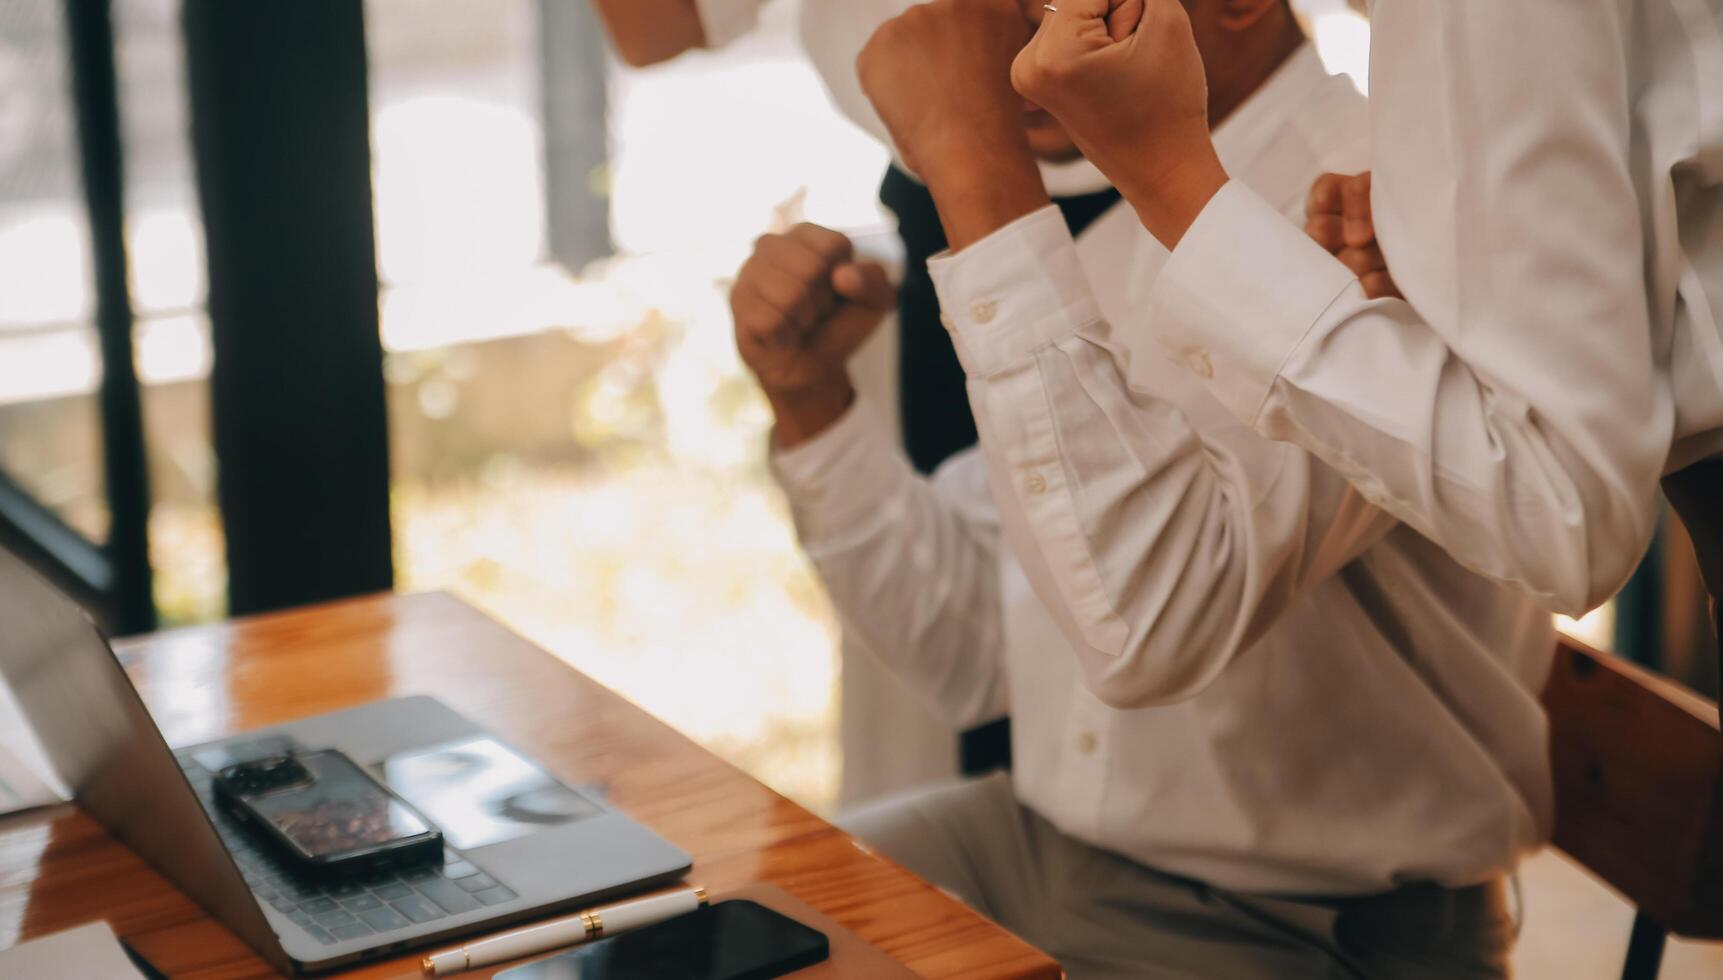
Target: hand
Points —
{"points": [[1337, 216], [802, 306], [1126, 80], [939, 75]]}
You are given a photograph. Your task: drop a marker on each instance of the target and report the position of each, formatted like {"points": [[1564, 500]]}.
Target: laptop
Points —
{"points": [[518, 843]]}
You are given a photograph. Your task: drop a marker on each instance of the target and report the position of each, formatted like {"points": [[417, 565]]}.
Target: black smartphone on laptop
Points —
{"points": [[732, 940], [327, 813]]}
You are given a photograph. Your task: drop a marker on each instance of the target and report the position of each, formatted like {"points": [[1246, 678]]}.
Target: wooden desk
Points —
{"points": [[58, 868]]}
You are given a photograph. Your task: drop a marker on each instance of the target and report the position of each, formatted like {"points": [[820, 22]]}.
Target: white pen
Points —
{"points": [[606, 920]]}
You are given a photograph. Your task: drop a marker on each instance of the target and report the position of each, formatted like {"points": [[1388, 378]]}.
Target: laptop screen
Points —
{"points": [[104, 745]]}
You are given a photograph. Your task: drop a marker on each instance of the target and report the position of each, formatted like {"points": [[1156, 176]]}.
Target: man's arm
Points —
{"points": [[911, 564], [1513, 411], [646, 32], [1163, 550]]}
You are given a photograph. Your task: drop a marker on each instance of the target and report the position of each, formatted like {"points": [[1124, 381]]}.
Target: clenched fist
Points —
{"points": [[939, 75], [802, 306], [1337, 215], [1126, 79]]}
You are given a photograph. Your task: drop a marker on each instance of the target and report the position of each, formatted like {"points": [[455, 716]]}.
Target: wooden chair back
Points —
{"points": [[1638, 765]]}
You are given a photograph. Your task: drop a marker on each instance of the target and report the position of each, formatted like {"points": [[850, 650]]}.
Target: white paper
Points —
{"points": [[27, 779], [89, 952]]}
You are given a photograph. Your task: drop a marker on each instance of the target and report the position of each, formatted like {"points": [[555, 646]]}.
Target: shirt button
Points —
{"points": [[1036, 484], [1087, 742], [1198, 363], [982, 311]]}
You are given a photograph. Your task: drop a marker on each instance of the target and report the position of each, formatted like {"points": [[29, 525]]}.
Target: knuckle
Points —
{"points": [[1026, 70], [822, 240], [751, 326]]}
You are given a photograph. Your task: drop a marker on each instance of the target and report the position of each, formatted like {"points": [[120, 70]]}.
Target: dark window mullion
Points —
{"points": [[33, 530], [95, 91]]}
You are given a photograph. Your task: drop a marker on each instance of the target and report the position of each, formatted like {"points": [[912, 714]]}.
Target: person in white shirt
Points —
{"points": [[935, 416], [1548, 191], [1339, 751]]}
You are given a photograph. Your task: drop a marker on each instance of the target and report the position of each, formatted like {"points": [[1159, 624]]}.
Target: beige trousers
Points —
{"points": [[1103, 916]]}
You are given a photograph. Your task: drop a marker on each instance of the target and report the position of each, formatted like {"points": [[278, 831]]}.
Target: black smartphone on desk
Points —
{"points": [[733, 940], [327, 812]]}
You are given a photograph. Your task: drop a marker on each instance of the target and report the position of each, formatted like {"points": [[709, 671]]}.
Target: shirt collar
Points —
{"points": [[1242, 136]]}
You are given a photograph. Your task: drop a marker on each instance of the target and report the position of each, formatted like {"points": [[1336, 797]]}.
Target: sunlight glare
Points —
{"points": [[457, 188], [44, 268], [1342, 38]]}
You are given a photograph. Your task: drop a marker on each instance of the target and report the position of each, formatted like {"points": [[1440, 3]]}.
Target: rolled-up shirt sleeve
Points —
{"points": [[912, 564], [1164, 548], [724, 21], [1512, 411]]}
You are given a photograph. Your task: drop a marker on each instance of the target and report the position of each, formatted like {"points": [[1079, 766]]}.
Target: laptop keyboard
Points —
{"points": [[373, 904]]}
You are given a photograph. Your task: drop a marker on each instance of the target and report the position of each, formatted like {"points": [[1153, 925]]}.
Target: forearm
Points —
{"points": [[1168, 182], [913, 573], [1168, 200], [1165, 549], [800, 416], [646, 32], [984, 186], [1529, 448], [1171, 550]]}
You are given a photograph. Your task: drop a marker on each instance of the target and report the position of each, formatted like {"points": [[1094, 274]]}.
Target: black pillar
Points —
{"points": [[281, 135]]}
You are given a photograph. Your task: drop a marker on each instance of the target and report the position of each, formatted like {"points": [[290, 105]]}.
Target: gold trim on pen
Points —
{"points": [[700, 895], [427, 967], [597, 922]]}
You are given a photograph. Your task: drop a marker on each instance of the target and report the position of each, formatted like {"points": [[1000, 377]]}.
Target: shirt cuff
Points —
{"points": [[841, 478], [1012, 293], [723, 21], [1239, 294]]}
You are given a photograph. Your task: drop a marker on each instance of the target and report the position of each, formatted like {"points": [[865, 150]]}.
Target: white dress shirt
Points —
{"points": [[834, 33], [1321, 703], [1549, 194]]}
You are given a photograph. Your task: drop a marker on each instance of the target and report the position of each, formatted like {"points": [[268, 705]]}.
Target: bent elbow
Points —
{"points": [[1134, 693], [1129, 696], [1591, 587], [1151, 677], [1587, 596], [1615, 545]]}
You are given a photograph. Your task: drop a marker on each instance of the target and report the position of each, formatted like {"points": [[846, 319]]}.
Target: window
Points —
{"points": [[575, 446]]}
